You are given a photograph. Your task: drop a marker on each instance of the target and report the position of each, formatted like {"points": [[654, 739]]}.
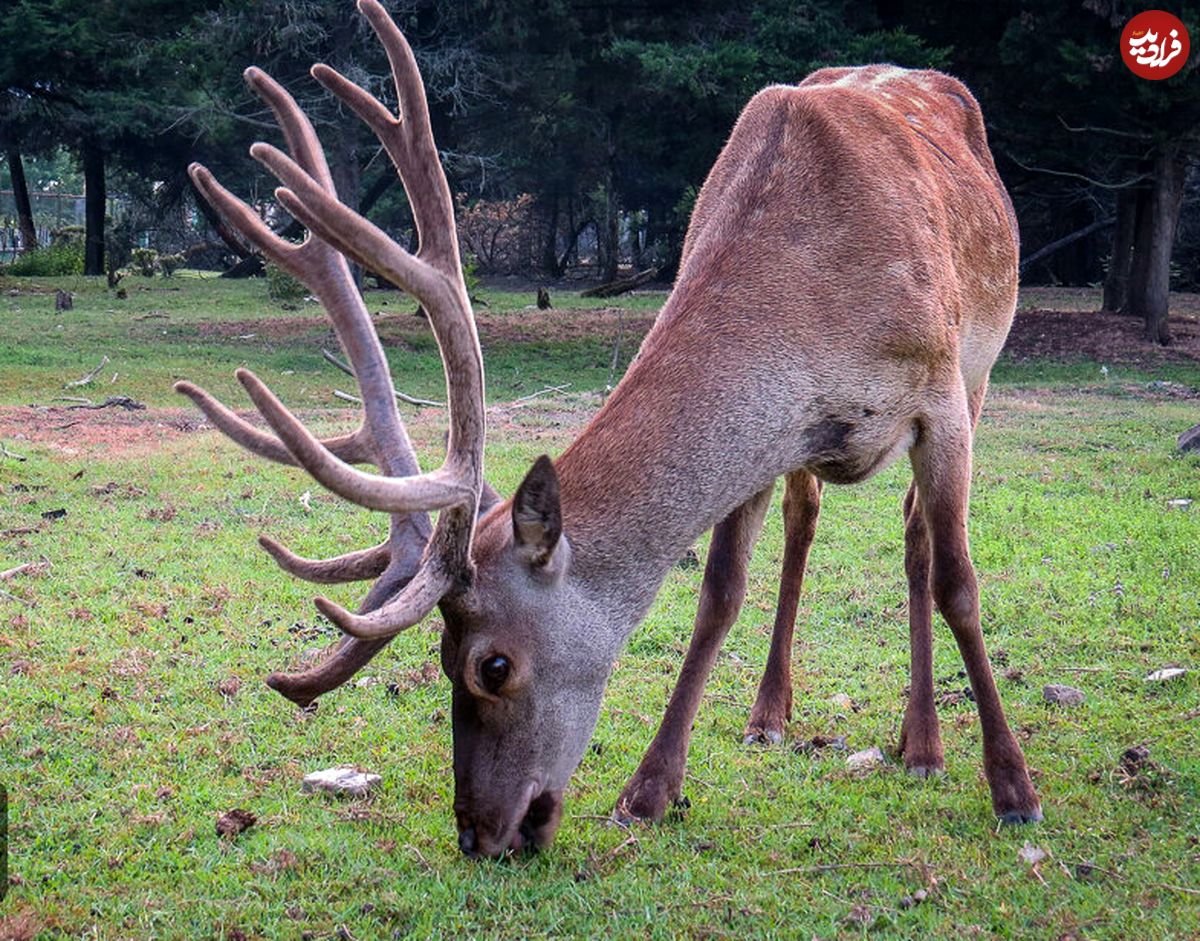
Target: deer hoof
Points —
{"points": [[762, 736], [925, 771], [1016, 818], [644, 800]]}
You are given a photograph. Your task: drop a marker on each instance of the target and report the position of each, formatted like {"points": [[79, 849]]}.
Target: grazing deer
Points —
{"points": [[847, 281]]}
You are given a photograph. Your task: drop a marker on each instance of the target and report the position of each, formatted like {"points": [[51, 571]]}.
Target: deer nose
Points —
{"points": [[467, 841]]}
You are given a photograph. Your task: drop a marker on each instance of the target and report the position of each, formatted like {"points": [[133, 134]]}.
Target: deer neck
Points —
{"points": [[670, 454]]}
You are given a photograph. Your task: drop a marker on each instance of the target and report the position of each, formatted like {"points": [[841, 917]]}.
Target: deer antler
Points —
{"points": [[403, 594]]}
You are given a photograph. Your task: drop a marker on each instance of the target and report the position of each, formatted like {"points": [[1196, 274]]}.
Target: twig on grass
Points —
{"points": [[113, 401], [549, 390], [87, 380], [18, 570], [349, 371], [4, 452], [833, 867]]}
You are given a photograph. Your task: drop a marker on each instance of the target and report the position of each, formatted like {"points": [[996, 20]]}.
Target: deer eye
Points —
{"points": [[494, 672]]}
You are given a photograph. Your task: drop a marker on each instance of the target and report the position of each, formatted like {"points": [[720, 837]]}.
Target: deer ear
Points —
{"points": [[536, 515]]}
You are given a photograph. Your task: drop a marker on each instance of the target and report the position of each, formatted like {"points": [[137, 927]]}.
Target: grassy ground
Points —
{"points": [[132, 712]]}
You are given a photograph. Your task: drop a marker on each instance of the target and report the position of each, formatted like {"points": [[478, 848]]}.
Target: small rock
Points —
{"points": [[1063, 695], [1190, 439], [842, 701], [344, 779], [233, 822], [867, 760], [1182, 503], [1166, 674]]}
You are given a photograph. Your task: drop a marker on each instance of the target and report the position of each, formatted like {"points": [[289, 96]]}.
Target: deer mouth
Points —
{"points": [[540, 823], [534, 829]]}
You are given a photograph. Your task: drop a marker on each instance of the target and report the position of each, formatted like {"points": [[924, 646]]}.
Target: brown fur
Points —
{"points": [[847, 282]]}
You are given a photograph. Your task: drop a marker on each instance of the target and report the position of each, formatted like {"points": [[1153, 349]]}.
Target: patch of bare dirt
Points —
{"points": [[111, 431], [565, 324], [1114, 339], [396, 327], [270, 328]]}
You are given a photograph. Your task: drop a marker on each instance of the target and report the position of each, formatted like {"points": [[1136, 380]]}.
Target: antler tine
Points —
{"points": [[352, 235], [417, 599], [327, 274], [298, 132], [348, 657], [409, 141], [243, 218], [434, 277], [351, 567], [354, 448], [441, 488]]}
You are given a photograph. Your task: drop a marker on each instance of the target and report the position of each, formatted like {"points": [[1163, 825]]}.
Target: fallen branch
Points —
{"points": [[349, 371], [14, 572], [546, 391], [18, 531], [833, 867], [113, 401], [87, 380], [1063, 242], [4, 452], [621, 285]]}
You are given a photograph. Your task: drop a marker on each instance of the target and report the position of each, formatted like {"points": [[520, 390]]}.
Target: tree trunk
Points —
{"points": [[94, 207], [1116, 283], [384, 182], [341, 149], [1150, 275], [347, 177], [612, 227], [16, 170], [612, 235], [549, 263]]}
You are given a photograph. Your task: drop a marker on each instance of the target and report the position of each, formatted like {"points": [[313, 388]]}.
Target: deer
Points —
{"points": [[847, 280]]}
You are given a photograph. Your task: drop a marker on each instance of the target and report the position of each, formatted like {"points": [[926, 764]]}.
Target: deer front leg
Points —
{"points": [[659, 777], [920, 740], [773, 706], [942, 467]]}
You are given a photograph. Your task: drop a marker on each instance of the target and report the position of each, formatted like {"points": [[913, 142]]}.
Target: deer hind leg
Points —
{"points": [[773, 706], [920, 740], [659, 777], [942, 468]]}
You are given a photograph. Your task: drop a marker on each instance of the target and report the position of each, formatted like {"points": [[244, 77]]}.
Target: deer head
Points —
{"points": [[527, 681]]}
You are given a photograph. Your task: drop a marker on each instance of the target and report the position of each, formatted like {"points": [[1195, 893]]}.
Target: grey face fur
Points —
{"points": [[520, 732]]}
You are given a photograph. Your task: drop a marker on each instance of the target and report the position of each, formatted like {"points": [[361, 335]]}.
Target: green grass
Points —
{"points": [[119, 752], [163, 331]]}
